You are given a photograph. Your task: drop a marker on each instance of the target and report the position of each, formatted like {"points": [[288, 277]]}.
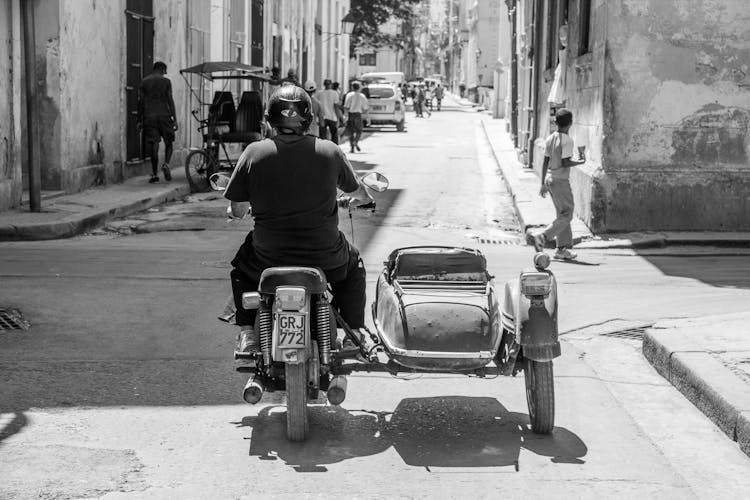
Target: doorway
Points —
{"points": [[139, 32]]}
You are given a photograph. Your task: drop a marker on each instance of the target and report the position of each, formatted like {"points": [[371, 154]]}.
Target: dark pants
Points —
{"points": [[332, 126], [354, 127], [154, 129], [348, 284]]}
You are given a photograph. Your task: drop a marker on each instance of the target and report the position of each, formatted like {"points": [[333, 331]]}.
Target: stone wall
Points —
{"points": [[662, 102], [90, 62], [10, 105]]}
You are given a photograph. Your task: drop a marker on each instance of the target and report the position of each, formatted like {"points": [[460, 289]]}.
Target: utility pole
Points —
{"points": [[450, 74], [29, 48]]}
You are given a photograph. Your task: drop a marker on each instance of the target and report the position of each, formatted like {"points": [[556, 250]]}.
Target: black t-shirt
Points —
{"points": [[290, 182]]}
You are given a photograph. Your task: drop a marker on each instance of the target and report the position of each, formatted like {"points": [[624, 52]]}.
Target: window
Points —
{"points": [[381, 92], [584, 27], [256, 44], [367, 59], [551, 35]]}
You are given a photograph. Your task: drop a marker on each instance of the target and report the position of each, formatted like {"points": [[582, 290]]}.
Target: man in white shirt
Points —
{"points": [[355, 105], [330, 102]]}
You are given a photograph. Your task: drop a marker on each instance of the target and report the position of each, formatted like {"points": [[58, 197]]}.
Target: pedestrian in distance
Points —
{"points": [[428, 99], [316, 126], [156, 118], [418, 100], [558, 153], [291, 78], [439, 94], [332, 116], [357, 109]]}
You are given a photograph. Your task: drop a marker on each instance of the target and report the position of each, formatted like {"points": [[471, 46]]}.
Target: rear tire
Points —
{"points": [[199, 166], [296, 401], [540, 395]]}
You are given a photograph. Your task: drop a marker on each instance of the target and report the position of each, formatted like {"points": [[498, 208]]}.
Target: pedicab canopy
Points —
{"points": [[226, 70]]}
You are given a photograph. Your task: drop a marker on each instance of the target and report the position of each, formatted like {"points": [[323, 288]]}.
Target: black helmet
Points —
{"points": [[290, 107]]}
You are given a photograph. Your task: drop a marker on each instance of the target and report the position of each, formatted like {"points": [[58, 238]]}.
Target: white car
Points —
{"points": [[386, 105]]}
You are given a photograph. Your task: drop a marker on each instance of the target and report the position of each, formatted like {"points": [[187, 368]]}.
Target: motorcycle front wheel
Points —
{"points": [[296, 401], [540, 395]]}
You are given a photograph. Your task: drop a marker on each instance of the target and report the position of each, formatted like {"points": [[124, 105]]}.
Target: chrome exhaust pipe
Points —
{"points": [[337, 390], [253, 390]]}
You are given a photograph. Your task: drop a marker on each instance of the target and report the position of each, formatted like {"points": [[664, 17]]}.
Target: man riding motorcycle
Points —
{"points": [[290, 182]]}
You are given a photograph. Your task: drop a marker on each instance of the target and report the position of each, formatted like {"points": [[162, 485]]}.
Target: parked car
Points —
{"points": [[386, 105], [394, 77]]}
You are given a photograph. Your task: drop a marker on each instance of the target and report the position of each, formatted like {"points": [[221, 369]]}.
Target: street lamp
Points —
{"points": [[348, 23]]}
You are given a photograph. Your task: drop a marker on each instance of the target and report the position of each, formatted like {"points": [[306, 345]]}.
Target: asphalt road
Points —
{"points": [[124, 387]]}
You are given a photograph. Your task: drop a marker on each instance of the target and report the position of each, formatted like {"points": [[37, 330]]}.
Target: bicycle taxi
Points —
{"points": [[225, 118]]}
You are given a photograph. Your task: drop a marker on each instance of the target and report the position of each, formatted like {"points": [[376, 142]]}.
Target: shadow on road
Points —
{"points": [[726, 270], [10, 425], [446, 431]]}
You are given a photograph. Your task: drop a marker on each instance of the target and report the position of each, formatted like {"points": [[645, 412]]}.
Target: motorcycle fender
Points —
{"points": [[535, 321]]}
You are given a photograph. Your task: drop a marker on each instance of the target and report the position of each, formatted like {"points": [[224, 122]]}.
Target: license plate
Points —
{"points": [[378, 108], [291, 330]]}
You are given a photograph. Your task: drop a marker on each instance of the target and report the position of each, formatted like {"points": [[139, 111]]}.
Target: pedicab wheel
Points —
{"points": [[296, 401], [199, 166], [540, 395]]}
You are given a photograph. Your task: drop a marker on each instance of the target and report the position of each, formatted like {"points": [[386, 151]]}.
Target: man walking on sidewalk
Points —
{"points": [[558, 152], [330, 102], [355, 105], [156, 117]]}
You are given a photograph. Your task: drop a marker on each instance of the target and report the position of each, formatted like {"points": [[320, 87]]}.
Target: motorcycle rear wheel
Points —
{"points": [[296, 401], [540, 395]]}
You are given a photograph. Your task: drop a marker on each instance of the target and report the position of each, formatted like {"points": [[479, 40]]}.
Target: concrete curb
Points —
{"points": [[705, 382], [79, 223]]}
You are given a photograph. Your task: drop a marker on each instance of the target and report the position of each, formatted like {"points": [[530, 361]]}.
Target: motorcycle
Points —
{"points": [[436, 310]]}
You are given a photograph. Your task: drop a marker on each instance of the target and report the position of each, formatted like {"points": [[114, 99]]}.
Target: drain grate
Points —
{"points": [[12, 319], [635, 333], [492, 241]]}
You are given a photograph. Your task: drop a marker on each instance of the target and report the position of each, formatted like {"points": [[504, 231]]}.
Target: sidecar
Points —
{"points": [[436, 309]]}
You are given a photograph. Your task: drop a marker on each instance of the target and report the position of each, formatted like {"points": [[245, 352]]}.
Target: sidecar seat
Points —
{"points": [[436, 309]]}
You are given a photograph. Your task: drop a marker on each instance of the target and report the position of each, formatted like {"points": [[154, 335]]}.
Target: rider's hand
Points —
{"points": [[344, 201], [543, 191]]}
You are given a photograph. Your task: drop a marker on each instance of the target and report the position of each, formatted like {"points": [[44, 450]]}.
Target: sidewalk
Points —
{"points": [[533, 211], [459, 101], [708, 360], [63, 216]]}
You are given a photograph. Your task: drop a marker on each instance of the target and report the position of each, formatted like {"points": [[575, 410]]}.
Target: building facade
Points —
{"points": [[87, 76], [659, 93]]}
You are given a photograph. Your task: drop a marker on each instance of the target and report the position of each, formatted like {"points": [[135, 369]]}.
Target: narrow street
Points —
{"points": [[124, 386]]}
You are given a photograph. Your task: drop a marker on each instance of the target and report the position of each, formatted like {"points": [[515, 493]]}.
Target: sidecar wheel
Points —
{"points": [[296, 401], [540, 395]]}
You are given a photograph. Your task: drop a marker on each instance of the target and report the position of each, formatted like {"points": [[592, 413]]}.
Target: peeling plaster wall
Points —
{"points": [[170, 47], [47, 41], [677, 108], [10, 105], [91, 87]]}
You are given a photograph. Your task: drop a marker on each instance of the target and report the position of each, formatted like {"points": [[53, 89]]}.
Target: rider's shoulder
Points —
{"points": [[326, 147]]}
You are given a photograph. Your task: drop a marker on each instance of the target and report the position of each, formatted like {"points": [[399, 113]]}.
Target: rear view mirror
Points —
{"points": [[219, 182], [375, 181]]}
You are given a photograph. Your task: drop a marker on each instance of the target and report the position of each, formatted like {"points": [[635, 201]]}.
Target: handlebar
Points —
{"points": [[346, 202]]}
